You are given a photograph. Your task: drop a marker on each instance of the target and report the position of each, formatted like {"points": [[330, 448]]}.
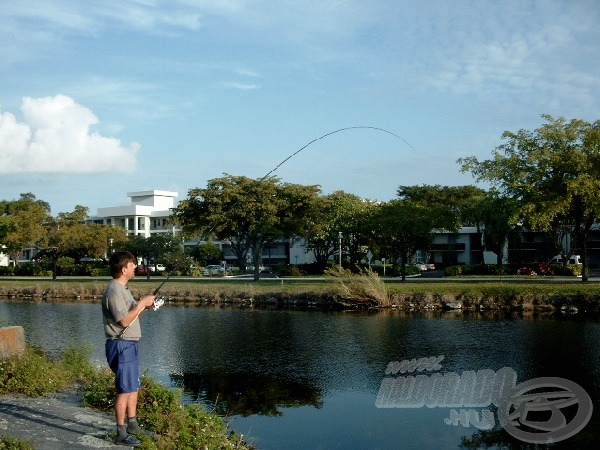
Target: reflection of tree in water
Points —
{"points": [[245, 394]]}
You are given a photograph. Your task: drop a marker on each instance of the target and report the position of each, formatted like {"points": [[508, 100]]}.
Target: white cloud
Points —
{"points": [[240, 86], [55, 137]]}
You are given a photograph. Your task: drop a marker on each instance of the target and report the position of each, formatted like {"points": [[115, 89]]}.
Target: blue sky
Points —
{"points": [[99, 98]]}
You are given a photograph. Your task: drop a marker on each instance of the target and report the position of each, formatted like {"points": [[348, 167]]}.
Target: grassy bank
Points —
{"points": [[160, 409], [332, 292]]}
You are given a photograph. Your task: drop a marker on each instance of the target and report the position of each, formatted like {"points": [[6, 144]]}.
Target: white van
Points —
{"points": [[574, 259]]}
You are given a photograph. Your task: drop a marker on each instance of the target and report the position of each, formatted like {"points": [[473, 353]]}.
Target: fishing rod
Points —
{"points": [[364, 127]]}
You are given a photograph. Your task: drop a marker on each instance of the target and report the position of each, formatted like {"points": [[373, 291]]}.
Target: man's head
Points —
{"points": [[119, 261]]}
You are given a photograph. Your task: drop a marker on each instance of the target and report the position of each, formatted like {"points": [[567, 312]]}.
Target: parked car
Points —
{"points": [[526, 271], [428, 266], [213, 269], [422, 267], [158, 267], [574, 259], [142, 270], [251, 268]]}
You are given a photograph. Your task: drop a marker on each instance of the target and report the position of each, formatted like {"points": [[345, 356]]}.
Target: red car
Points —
{"points": [[142, 270]]}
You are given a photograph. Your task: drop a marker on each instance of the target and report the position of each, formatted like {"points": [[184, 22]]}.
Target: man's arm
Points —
{"points": [[144, 303]]}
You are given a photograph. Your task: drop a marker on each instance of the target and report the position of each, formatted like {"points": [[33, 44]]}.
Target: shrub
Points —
{"points": [[570, 270], [76, 361], [24, 269], [33, 374], [11, 443], [66, 266], [308, 269], [99, 390], [7, 270], [453, 271], [287, 270], [156, 403], [101, 272]]}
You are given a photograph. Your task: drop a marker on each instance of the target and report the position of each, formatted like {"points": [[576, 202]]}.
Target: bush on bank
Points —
{"points": [[543, 269], [160, 409]]}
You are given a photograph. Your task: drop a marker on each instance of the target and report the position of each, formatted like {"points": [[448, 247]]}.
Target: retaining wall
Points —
{"points": [[12, 341]]}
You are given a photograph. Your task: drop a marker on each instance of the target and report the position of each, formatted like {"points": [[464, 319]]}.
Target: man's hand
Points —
{"points": [[147, 301]]}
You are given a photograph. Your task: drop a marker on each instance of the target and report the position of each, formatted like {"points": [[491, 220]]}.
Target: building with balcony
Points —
{"points": [[147, 214]]}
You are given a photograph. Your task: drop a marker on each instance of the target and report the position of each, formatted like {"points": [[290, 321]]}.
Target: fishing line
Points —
{"points": [[156, 291]]}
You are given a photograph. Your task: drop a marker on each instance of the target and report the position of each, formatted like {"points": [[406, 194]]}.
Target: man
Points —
{"points": [[123, 331]]}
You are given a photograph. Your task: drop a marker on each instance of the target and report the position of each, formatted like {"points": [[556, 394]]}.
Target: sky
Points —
{"points": [[99, 98]]}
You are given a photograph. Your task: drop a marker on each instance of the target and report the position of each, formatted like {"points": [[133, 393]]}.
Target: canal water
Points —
{"points": [[315, 380]]}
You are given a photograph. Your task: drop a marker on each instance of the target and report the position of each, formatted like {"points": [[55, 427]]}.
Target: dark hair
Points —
{"points": [[118, 260]]}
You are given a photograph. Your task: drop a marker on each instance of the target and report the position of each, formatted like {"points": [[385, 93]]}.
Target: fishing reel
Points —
{"points": [[158, 302]]}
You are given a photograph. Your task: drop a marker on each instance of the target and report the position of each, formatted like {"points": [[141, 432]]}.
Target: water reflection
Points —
{"points": [[246, 394]]}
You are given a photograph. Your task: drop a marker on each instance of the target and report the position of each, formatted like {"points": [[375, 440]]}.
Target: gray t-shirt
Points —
{"points": [[117, 301]]}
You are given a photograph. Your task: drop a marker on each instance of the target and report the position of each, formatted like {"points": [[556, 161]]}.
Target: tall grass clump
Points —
{"points": [[363, 288]]}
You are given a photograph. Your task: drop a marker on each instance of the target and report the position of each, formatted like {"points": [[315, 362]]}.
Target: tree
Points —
{"points": [[554, 174], [401, 227], [208, 253], [343, 213], [248, 213], [69, 235], [23, 224], [499, 219], [459, 206], [459, 201]]}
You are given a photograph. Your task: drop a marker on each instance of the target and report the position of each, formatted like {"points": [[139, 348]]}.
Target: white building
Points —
{"points": [[461, 247], [147, 214], [4, 259]]}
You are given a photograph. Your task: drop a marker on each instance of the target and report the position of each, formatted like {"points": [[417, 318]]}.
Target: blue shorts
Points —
{"points": [[122, 357]]}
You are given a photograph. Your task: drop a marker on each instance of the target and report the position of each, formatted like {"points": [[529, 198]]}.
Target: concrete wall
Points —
{"points": [[12, 341]]}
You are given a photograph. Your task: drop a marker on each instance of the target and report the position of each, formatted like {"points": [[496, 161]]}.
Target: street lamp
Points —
{"points": [[340, 237]]}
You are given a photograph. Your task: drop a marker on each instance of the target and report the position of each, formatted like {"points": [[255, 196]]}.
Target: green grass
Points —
{"points": [[11, 443]]}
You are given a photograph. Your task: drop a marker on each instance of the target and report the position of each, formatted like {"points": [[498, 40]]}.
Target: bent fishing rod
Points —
{"points": [[159, 301], [157, 290]]}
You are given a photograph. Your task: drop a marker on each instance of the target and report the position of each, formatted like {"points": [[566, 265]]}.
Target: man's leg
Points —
{"points": [[122, 359], [132, 404], [122, 403], [132, 424]]}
